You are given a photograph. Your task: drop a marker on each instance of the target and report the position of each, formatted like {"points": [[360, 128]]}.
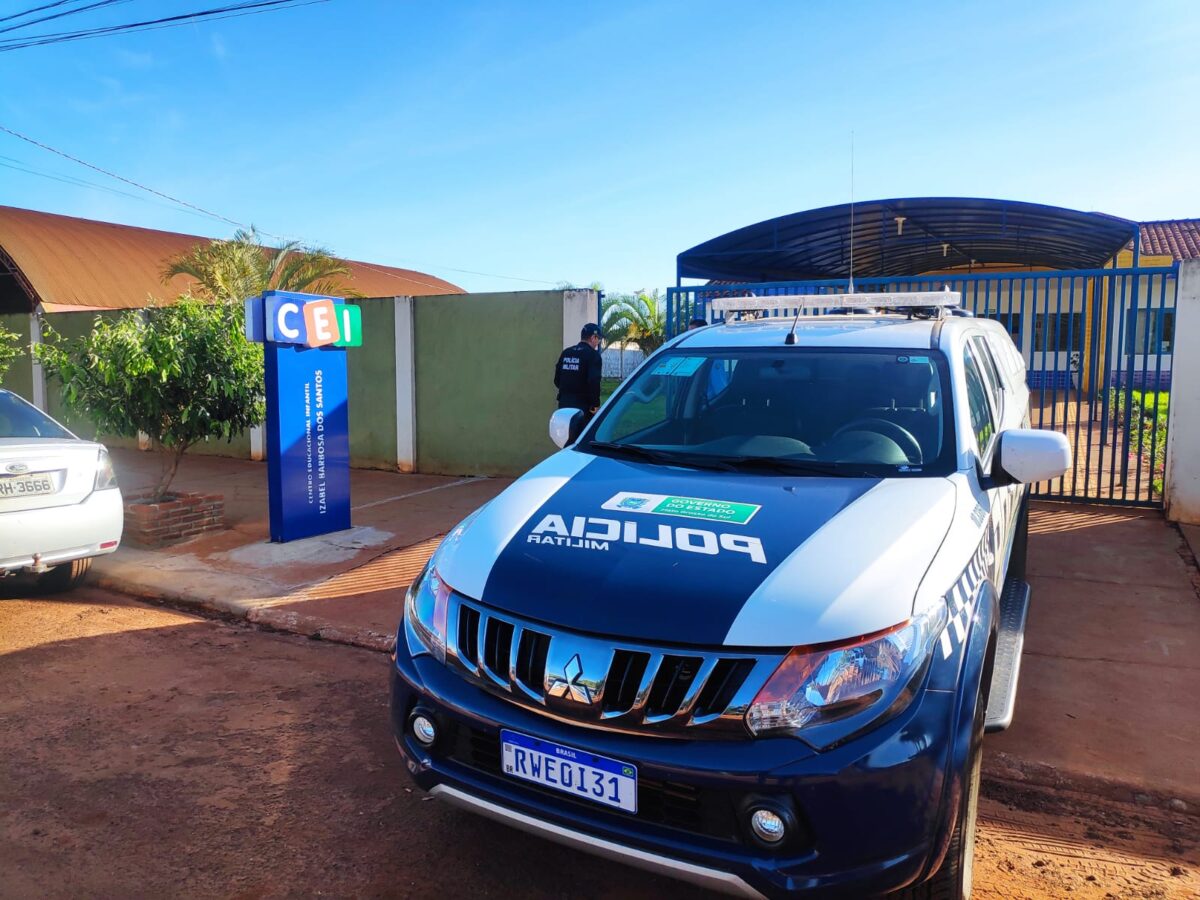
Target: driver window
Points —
{"points": [[991, 374], [982, 422]]}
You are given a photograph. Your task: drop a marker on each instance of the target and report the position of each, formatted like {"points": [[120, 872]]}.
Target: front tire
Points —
{"points": [[953, 879], [64, 577]]}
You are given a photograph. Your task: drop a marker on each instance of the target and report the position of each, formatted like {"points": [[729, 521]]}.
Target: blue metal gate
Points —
{"points": [[1098, 347]]}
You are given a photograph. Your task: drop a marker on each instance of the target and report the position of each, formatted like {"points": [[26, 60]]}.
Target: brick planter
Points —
{"points": [[177, 518]]}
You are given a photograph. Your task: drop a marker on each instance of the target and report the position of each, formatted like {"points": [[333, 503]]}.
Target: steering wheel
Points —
{"points": [[910, 446]]}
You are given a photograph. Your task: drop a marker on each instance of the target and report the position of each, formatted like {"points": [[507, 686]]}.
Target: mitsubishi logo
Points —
{"points": [[571, 681]]}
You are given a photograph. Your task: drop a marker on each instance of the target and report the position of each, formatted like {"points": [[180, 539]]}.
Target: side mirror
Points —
{"points": [[565, 426], [1029, 455]]}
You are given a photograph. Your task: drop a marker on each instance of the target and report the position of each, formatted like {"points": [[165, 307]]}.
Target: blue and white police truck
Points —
{"points": [[749, 626]]}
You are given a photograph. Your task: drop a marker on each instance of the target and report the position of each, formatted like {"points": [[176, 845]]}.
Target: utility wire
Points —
{"points": [[76, 159], [242, 225], [30, 12], [98, 4], [253, 7], [19, 165]]}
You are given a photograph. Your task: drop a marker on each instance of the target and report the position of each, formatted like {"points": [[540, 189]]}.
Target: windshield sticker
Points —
{"points": [[678, 365], [913, 359], [684, 507]]}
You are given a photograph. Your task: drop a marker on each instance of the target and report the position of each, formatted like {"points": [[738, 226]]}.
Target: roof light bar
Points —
{"points": [[888, 300]]}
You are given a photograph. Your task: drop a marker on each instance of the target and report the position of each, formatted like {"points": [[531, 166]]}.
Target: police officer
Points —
{"points": [[577, 375]]}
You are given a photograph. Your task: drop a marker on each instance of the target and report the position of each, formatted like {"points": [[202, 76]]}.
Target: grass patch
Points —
{"points": [[607, 386], [1147, 430]]}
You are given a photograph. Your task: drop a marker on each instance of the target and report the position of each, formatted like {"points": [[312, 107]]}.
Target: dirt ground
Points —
{"points": [[144, 752]]}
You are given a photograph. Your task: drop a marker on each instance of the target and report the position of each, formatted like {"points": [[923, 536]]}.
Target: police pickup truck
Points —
{"points": [[749, 627]]}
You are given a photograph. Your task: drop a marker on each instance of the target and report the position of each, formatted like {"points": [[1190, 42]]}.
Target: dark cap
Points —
{"points": [[589, 329], [697, 322]]}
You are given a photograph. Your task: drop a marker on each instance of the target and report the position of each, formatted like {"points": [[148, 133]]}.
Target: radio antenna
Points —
{"points": [[851, 290], [791, 335]]}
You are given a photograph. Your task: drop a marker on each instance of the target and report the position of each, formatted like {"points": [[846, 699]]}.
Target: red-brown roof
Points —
{"points": [[68, 262], [1179, 238]]}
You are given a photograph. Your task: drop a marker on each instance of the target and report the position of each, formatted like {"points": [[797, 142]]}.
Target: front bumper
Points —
{"points": [[873, 814], [59, 534]]}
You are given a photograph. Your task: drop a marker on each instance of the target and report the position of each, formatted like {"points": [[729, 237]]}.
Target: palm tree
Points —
{"points": [[638, 318], [243, 267]]}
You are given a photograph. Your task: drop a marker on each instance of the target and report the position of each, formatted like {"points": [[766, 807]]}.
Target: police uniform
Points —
{"points": [[577, 377]]}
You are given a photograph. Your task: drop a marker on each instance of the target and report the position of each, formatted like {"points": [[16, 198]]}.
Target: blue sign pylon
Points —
{"points": [[304, 337]]}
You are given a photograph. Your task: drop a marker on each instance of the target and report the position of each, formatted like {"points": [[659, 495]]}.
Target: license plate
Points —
{"points": [[26, 485], [609, 782]]}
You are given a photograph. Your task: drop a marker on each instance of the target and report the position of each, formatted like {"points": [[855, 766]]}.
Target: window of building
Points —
{"points": [[1150, 331], [1057, 332]]}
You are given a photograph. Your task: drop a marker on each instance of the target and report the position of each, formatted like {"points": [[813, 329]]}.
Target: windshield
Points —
{"points": [[19, 419], [819, 411]]}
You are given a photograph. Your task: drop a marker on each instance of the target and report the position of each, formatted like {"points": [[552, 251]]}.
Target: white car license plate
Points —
{"points": [[26, 485], [597, 778]]}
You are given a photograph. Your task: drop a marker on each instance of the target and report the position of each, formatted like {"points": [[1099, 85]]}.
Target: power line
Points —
{"points": [[98, 4], [75, 159], [249, 8], [484, 274], [202, 211], [23, 167], [30, 12]]}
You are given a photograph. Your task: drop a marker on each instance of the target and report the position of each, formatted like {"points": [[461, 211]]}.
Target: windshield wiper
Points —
{"points": [[794, 466], [667, 457]]}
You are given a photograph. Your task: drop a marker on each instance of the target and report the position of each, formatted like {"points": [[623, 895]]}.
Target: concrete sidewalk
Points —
{"points": [[239, 572], [1110, 678], [1109, 682]]}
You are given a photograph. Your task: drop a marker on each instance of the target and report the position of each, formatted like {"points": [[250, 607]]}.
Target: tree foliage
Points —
{"points": [[230, 271], [181, 374], [9, 350], [639, 318]]}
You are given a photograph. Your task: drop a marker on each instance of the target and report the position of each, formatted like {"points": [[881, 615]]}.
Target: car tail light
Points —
{"points": [[105, 476]]}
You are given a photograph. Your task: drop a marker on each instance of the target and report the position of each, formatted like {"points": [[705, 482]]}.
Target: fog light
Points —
{"points": [[768, 826], [423, 730]]}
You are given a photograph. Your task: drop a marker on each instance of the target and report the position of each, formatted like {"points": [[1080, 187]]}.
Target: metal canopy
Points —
{"points": [[909, 237]]}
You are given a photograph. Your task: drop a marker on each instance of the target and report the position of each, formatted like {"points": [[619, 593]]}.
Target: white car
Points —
{"points": [[59, 501]]}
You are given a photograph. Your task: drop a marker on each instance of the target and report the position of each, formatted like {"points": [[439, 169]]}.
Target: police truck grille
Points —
{"points": [[602, 683]]}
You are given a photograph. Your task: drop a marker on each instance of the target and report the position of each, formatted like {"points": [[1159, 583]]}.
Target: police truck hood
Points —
{"points": [[655, 553]]}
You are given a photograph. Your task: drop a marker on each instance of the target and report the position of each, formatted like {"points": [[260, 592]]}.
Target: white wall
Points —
{"points": [[1183, 429], [618, 364], [579, 308]]}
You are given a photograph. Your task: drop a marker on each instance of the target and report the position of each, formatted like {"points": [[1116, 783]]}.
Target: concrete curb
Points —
{"points": [[260, 611], [1003, 768]]}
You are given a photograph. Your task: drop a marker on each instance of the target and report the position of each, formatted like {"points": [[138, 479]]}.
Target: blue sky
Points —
{"points": [[552, 141]]}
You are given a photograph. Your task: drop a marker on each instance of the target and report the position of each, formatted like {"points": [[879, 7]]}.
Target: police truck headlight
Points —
{"points": [[426, 607], [427, 603], [829, 693]]}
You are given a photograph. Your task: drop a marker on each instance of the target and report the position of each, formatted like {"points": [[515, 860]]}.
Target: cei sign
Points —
{"points": [[304, 337], [281, 318]]}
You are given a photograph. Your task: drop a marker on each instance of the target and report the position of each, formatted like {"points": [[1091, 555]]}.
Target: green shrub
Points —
{"points": [[181, 374], [9, 350], [1148, 412]]}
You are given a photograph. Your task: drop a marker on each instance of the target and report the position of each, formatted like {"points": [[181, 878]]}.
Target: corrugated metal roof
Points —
{"points": [[70, 262], [908, 236], [1179, 238]]}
